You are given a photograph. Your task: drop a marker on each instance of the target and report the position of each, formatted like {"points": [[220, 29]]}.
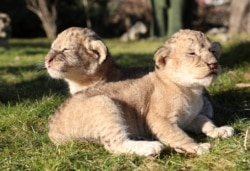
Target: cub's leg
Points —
{"points": [[170, 134], [202, 124], [100, 119]]}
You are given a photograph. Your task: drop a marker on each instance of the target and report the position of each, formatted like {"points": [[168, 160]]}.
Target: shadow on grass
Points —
{"points": [[237, 55], [232, 105], [31, 46], [17, 70], [33, 89], [235, 103], [29, 43], [134, 60]]}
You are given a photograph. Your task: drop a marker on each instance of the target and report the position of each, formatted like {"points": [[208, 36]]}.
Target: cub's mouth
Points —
{"points": [[214, 72], [213, 69]]}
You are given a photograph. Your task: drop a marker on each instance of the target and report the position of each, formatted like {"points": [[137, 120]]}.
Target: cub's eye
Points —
{"points": [[192, 53], [65, 49]]}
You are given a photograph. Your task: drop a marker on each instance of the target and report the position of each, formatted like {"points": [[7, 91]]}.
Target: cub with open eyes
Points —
{"points": [[79, 56], [160, 105]]}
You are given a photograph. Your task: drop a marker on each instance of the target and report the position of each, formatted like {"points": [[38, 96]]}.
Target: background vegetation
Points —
{"points": [[28, 96], [26, 24], [111, 18]]}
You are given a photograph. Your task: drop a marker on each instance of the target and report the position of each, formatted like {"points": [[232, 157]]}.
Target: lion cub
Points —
{"points": [[80, 57], [160, 105]]}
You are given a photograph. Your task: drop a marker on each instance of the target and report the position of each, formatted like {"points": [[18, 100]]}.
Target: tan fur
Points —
{"points": [[160, 105], [81, 58]]}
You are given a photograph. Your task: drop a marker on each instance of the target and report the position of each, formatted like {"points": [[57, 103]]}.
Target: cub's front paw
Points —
{"points": [[142, 148], [199, 149], [148, 148], [203, 148], [221, 132]]}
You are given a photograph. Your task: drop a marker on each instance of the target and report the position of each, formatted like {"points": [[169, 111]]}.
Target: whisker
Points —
{"points": [[40, 66]]}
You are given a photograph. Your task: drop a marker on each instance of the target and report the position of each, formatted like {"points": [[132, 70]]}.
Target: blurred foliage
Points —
{"points": [[70, 13], [108, 17]]}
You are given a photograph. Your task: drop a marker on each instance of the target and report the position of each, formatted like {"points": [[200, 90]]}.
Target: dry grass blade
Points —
{"points": [[246, 140]]}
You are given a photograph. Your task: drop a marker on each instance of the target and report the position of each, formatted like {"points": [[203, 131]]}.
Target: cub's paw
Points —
{"points": [[148, 148], [221, 132], [142, 148], [202, 148], [199, 149]]}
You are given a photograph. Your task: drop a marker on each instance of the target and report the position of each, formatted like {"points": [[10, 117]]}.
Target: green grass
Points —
{"points": [[28, 96]]}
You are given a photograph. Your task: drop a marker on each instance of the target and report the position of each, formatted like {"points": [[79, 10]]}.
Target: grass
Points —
{"points": [[28, 96]]}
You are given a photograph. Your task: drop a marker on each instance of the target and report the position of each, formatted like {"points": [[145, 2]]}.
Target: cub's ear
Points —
{"points": [[98, 47], [160, 57], [216, 49]]}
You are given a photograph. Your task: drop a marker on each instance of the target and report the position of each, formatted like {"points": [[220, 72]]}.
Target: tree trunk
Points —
{"points": [[158, 25], [167, 17], [47, 13], [175, 16], [86, 9], [239, 16]]}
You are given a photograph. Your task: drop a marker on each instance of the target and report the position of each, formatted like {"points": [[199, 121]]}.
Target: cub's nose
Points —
{"points": [[213, 66], [49, 57], [49, 60]]}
